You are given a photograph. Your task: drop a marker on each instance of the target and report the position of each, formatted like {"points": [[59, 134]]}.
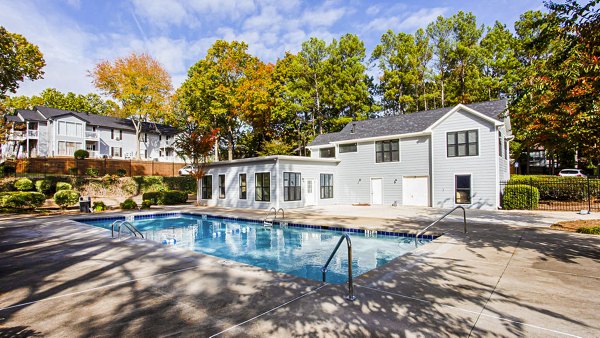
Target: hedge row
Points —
{"points": [[159, 183], [21, 200], [520, 196], [559, 188], [169, 197]]}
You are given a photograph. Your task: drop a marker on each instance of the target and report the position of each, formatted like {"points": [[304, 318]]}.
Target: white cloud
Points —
{"points": [[323, 17], [372, 10], [418, 19]]}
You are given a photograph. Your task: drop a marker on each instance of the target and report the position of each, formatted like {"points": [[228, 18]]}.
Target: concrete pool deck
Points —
{"points": [[509, 276]]}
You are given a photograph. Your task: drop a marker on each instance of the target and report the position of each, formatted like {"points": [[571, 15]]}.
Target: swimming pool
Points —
{"points": [[299, 250]]}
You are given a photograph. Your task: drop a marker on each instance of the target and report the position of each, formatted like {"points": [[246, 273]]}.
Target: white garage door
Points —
{"points": [[415, 190]]}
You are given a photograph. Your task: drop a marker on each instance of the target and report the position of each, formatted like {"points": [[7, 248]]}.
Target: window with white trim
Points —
{"points": [[387, 151], [463, 189], [462, 143], [262, 187], [291, 187]]}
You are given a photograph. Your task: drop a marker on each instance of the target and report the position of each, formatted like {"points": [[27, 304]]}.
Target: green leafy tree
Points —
{"points": [[19, 60], [440, 33], [50, 97], [140, 84], [499, 62]]}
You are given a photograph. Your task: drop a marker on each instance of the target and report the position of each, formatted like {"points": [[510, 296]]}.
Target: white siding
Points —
{"points": [[482, 168]]}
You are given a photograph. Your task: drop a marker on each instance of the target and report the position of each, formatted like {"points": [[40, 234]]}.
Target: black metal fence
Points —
{"points": [[551, 193]]}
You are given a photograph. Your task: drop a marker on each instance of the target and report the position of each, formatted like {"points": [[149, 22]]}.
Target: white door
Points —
{"points": [[311, 195], [376, 191], [415, 191]]}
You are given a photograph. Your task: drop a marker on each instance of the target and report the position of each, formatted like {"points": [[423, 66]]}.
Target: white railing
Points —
{"points": [[17, 135], [32, 133], [93, 153], [91, 134]]}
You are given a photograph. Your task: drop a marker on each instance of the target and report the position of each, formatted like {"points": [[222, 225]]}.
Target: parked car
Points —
{"points": [[187, 170], [572, 172]]}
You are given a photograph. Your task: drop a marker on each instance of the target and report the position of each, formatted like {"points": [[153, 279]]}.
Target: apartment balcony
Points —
{"points": [[32, 133], [91, 135], [17, 135], [167, 143]]}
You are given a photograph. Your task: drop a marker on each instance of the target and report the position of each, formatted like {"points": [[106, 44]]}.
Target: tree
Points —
{"points": [[312, 58], [52, 98], [19, 60], [440, 33], [194, 144], [141, 86], [500, 63]]}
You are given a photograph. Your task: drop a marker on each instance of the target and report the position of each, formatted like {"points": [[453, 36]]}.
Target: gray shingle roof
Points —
{"points": [[30, 115], [107, 121], [404, 124]]}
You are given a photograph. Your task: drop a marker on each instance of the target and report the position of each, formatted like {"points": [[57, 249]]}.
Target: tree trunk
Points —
{"points": [[138, 130], [443, 99], [229, 144], [216, 149]]}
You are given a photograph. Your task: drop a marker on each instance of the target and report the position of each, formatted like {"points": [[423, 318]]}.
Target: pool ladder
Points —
{"points": [[346, 237], [441, 218], [120, 224], [269, 223]]}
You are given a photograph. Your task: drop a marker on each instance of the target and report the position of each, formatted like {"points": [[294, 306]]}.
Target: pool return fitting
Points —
{"points": [[350, 295]]}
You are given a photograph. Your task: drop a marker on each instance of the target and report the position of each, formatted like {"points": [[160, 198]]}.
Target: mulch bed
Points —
{"points": [[572, 226]]}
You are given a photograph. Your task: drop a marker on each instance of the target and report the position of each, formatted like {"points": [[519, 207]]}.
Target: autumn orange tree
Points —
{"points": [[140, 84]]}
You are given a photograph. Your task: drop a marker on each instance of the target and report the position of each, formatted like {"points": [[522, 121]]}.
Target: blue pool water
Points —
{"points": [[299, 251]]}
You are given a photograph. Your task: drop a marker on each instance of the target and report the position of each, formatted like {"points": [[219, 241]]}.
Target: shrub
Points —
{"points": [[81, 154], [99, 206], [63, 186], [153, 197], [150, 183], [520, 196], [109, 179], [589, 230], [8, 168], [23, 184], [65, 198], [21, 200], [94, 172], [559, 188], [174, 197], [7, 184], [169, 197], [146, 204], [73, 171], [44, 186], [183, 183], [121, 172], [129, 204]]}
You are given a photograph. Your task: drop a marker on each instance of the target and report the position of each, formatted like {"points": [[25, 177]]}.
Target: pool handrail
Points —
{"points": [[266, 219], [120, 223], [350, 295], [282, 213], [441, 218]]}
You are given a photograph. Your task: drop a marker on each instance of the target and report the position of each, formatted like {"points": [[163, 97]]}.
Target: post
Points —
{"points": [[130, 168], [530, 193], [589, 196]]}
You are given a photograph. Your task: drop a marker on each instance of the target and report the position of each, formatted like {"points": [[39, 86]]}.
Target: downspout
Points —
{"points": [[276, 180]]}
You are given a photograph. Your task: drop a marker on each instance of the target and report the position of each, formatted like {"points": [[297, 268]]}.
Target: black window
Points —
{"points": [[326, 186], [262, 190], [207, 187], [327, 152], [221, 186], [500, 144], [291, 187], [462, 143], [463, 189], [243, 185], [387, 151], [348, 148], [112, 134]]}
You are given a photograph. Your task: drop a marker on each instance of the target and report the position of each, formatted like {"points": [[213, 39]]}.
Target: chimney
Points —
{"points": [[353, 128]]}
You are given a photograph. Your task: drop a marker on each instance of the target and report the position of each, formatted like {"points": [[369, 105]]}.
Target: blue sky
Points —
{"points": [[74, 35]]}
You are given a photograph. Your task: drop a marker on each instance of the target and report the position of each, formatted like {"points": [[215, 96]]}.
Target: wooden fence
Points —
{"points": [[61, 166]]}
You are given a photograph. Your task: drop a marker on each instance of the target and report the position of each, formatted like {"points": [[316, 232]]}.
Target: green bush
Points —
{"points": [[174, 197], [153, 197], [150, 183], [129, 204], [66, 198], [520, 196], [21, 200], [23, 184], [63, 186], [169, 197], [73, 171], [109, 179], [183, 183], [44, 186], [99, 206], [121, 172], [146, 204], [589, 230], [7, 184], [8, 169], [81, 154], [94, 172], [558, 188]]}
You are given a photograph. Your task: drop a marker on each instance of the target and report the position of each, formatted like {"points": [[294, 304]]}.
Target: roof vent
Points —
{"points": [[353, 128]]}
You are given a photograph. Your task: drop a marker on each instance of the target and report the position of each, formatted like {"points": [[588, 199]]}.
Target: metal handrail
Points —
{"points": [[268, 214], [441, 218], [350, 295], [282, 213], [120, 223]]}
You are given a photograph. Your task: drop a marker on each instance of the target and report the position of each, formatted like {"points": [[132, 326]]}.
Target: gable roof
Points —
{"points": [[102, 121], [30, 115], [406, 124]]}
